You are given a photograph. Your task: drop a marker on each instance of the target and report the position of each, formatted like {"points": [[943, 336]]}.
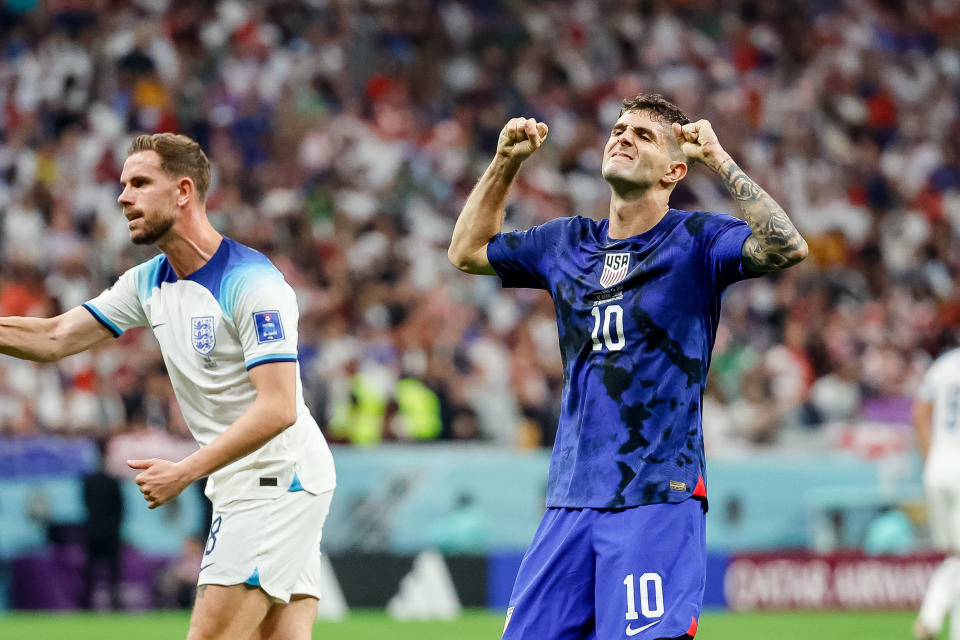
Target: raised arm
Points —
{"points": [[775, 243], [49, 339], [482, 215]]}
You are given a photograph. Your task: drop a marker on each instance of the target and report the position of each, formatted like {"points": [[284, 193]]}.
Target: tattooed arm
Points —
{"points": [[775, 243]]}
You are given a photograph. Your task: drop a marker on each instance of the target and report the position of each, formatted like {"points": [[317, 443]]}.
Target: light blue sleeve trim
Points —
{"points": [[254, 579], [271, 357], [102, 319]]}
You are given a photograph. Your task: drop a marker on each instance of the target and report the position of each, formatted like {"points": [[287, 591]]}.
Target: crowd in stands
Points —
{"points": [[346, 135]]}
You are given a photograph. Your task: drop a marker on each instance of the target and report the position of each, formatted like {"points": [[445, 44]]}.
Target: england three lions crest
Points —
{"points": [[202, 334], [615, 267]]}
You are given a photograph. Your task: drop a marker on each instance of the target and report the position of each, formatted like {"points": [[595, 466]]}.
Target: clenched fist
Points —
{"points": [[698, 142], [520, 137]]}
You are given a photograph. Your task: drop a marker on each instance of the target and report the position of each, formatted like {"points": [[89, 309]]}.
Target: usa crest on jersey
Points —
{"points": [[202, 335], [615, 267]]}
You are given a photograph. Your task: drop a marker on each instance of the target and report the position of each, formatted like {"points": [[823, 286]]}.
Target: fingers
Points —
{"points": [[141, 464], [516, 129], [520, 137], [152, 500], [520, 129], [532, 132], [690, 131]]}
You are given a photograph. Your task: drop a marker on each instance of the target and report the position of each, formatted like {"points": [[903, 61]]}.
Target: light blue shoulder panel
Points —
{"points": [[248, 269]]}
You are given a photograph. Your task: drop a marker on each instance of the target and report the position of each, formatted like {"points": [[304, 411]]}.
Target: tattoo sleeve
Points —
{"points": [[200, 590], [775, 243]]}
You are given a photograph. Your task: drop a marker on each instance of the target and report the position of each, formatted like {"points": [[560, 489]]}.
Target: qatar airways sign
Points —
{"points": [[827, 581]]}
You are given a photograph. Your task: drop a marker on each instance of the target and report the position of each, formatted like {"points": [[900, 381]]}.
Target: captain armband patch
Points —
{"points": [[269, 327]]}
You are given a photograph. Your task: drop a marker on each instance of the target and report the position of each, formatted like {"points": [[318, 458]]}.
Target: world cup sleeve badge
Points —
{"points": [[269, 327], [202, 334]]}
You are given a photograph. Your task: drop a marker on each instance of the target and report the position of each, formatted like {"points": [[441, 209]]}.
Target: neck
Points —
{"points": [[190, 243], [636, 213]]}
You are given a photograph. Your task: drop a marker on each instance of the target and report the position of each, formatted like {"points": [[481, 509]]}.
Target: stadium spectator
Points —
{"points": [[344, 135], [102, 545]]}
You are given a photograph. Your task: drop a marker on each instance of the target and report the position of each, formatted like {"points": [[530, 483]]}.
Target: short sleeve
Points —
{"points": [[523, 258], [725, 254], [265, 314], [928, 387], [119, 308]]}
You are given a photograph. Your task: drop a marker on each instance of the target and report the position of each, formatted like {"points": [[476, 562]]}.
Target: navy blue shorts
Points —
{"points": [[612, 573]]}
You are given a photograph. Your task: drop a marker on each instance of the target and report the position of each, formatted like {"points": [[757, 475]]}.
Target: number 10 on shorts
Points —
{"points": [[643, 585]]}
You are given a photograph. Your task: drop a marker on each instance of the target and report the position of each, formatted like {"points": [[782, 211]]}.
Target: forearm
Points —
{"points": [[482, 216], [923, 443], [258, 425], [28, 339], [922, 425], [775, 242]]}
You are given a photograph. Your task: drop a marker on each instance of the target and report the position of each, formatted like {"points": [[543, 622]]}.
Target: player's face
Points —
{"points": [[637, 154], [149, 197]]}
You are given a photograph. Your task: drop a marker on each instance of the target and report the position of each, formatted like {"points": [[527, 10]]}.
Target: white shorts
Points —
{"points": [[272, 543], [943, 514]]}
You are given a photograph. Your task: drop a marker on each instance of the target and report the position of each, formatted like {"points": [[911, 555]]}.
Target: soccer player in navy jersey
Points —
{"points": [[621, 551]]}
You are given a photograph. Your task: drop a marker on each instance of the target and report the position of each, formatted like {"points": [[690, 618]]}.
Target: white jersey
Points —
{"points": [[234, 313], [941, 386]]}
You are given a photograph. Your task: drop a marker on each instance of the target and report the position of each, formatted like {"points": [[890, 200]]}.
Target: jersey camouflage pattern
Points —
{"points": [[635, 349]]}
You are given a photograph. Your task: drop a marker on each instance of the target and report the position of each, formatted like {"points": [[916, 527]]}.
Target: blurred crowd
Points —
{"points": [[346, 135]]}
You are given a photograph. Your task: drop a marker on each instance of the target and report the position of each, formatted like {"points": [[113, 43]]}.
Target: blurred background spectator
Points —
{"points": [[104, 506], [346, 135]]}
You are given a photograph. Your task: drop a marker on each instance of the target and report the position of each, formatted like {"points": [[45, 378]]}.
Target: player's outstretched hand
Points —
{"points": [[698, 142], [161, 480], [520, 137]]}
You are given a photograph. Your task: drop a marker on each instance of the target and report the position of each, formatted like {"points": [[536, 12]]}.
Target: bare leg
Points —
{"points": [[938, 599], [289, 621], [227, 613]]}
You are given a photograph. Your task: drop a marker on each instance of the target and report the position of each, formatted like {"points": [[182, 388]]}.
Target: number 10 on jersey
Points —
{"points": [[611, 321]]}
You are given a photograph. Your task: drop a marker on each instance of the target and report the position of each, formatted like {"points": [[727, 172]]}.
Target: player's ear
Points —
{"points": [[185, 190], [676, 172]]}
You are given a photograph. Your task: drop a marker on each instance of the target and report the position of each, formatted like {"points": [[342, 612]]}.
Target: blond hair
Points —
{"points": [[179, 156]]}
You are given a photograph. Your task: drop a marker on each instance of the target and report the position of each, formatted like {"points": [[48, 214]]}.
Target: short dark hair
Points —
{"points": [[662, 110], [179, 156]]}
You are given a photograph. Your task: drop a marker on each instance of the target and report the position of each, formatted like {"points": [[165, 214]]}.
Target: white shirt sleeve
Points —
{"points": [[266, 317], [119, 308], [931, 380]]}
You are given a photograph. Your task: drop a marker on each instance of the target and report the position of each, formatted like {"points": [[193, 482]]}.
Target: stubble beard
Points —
{"points": [[153, 230]]}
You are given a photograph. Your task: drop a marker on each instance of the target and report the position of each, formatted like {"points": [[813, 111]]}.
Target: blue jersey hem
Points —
{"points": [[280, 357], [102, 319]]}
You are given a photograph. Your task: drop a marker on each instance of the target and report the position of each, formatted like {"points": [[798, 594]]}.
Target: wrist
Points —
{"points": [[189, 469], [505, 164], [716, 161]]}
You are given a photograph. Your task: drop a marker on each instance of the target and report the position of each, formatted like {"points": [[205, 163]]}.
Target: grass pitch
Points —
{"points": [[474, 625]]}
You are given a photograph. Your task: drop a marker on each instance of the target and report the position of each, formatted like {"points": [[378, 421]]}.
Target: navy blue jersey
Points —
{"points": [[637, 320]]}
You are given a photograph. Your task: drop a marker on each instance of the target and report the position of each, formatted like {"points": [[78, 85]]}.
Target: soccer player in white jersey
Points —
{"points": [[226, 322], [936, 417]]}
